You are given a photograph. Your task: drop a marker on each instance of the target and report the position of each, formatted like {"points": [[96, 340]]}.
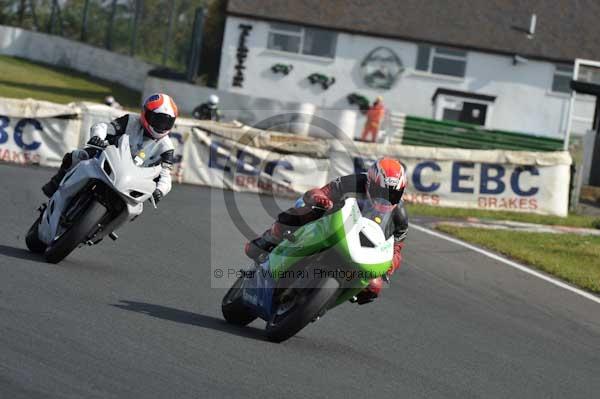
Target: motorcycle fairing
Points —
{"points": [[133, 180], [257, 292], [342, 231]]}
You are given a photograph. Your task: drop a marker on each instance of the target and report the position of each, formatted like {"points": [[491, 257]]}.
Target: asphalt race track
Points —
{"points": [[138, 318]]}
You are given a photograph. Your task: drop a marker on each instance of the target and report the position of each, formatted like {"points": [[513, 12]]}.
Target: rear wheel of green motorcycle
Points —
{"points": [[233, 307], [308, 304], [76, 234]]}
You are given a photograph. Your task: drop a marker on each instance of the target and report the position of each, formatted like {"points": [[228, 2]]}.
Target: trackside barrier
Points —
{"points": [[54, 50], [37, 132], [237, 157]]}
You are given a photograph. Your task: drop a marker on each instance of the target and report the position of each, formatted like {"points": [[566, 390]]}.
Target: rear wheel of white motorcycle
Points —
{"points": [[76, 234], [233, 308], [309, 303], [32, 239]]}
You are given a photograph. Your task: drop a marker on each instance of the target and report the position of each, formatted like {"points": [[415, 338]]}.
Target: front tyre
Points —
{"points": [[32, 239], [308, 304], [76, 234], [233, 308]]}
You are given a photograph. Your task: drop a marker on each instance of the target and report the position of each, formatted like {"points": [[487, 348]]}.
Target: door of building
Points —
{"points": [[473, 113]]}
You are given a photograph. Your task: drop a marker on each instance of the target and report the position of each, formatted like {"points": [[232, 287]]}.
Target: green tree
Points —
{"points": [[153, 34], [212, 40]]}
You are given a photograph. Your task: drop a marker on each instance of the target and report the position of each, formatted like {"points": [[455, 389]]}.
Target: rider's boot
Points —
{"points": [[261, 246], [50, 188], [370, 293]]}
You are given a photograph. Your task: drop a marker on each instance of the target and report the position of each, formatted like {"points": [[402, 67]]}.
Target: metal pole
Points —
{"points": [[109, 27], [136, 21], [571, 109], [169, 33], [84, 20], [34, 15], [60, 20], [21, 13], [194, 54], [52, 16]]}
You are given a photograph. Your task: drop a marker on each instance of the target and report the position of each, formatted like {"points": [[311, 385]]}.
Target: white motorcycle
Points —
{"points": [[94, 198]]}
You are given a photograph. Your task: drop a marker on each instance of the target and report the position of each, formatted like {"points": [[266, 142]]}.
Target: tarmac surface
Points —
{"points": [[139, 318]]}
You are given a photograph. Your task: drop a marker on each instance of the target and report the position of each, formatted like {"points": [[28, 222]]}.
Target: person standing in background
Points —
{"points": [[375, 115], [111, 102], [209, 110]]}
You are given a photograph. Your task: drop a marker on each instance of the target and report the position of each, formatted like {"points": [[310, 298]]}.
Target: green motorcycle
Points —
{"points": [[319, 266]]}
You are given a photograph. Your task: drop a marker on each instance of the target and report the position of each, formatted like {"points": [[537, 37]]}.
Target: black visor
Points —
{"points": [[390, 194], [160, 122]]}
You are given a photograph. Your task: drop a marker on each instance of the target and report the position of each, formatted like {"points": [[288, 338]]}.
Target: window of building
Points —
{"points": [[296, 39], [442, 60], [589, 73], [561, 82], [463, 106], [284, 37]]}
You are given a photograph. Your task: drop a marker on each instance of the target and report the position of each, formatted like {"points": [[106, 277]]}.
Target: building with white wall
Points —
{"points": [[504, 65]]}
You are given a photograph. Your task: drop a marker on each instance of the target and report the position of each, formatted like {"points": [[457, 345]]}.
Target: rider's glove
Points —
{"points": [[97, 142], [317, 198], [323, 201], [157, 195], [370, 293]]}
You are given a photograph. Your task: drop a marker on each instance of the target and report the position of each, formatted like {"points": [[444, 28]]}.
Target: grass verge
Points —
{"points": [[573, 258], [22, 79], [463, 213]]}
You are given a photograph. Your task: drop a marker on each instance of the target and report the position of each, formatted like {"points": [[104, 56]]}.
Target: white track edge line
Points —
{"points": [[510, 263]]}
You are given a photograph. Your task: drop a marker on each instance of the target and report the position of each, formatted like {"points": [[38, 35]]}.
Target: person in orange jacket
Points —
{"points": [[374, 117]]}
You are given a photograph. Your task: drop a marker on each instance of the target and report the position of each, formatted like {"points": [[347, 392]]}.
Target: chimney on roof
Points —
{"points": [[532, 23]]}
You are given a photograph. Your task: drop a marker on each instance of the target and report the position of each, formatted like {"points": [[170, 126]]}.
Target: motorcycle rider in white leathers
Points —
{"points": [[148, 139]]}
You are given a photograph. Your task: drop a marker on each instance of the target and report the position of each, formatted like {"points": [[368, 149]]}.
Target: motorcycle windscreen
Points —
{"points": [[365, 242], [341, 230]]}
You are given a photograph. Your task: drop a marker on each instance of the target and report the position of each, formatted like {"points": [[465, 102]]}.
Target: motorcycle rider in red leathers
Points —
{"points": [[385, 179]]}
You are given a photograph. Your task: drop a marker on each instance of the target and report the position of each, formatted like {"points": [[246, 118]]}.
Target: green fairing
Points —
{"points": [[310, 238], [324, 233]]}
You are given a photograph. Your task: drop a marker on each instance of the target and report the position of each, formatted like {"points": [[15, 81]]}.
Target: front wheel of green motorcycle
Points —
{"points": [[233, 307], [308, 304]]}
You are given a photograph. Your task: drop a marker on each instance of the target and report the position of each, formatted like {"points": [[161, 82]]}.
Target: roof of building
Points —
{"points": [[565, 29]]}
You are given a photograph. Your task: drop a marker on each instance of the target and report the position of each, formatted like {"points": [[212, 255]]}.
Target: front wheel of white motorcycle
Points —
{"points": [[32, 240], [76, 233]]}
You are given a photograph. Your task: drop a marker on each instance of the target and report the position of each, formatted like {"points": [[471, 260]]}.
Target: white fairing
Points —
{"points": [[116, 168], [354, 224]]}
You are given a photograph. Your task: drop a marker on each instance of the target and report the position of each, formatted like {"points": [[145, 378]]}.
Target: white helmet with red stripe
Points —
{"points": [[158, 115], [386, 180]]}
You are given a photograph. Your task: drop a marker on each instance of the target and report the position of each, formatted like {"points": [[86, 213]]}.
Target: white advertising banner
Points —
{"points": [[494, 180], [235, 158], [218, 162], [34, 132]]}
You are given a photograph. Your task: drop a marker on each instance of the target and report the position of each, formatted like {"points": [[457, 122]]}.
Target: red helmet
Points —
{"points": [[386, 180], [158, 115]]}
